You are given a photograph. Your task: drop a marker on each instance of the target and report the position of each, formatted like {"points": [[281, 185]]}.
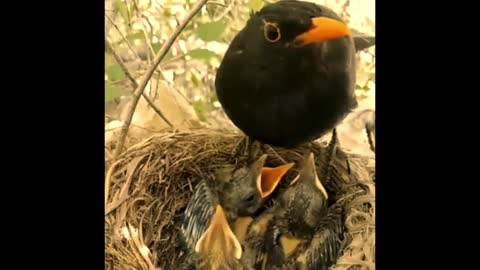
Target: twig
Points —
{"points": [[218, 4], [148, 46], [276, 154], [113, 205], [172, 59], [120, 62], [135, 6], [147, 38], [149, 24], [107, 180], [134, 82], [140, 127], [123, 36], [111, 117], [225, 12], [108, 154], [129, 19], [369, 131], [146, 77]]}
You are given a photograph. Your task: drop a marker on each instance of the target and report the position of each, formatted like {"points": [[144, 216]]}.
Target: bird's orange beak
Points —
{"points": [[323, 29], [270, 177]]}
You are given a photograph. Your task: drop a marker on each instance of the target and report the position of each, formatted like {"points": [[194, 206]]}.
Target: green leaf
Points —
{"points": [[255, 5], [109, 60], [112, 92], [201, 54], [195, 80], [210, 31], [200, 109], [132, 9], [122, 8], [135, 35], [189, 28], [363, 88], [168, 56], [115, 73], [213, 98], [156, 46]]}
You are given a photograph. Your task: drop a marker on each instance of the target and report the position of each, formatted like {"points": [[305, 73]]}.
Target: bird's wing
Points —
{"points": [[324, 248], [362, 41], [198, 214]]}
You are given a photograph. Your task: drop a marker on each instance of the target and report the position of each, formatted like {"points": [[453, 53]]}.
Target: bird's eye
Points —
{"points": [[271, 32], [250, 198]]}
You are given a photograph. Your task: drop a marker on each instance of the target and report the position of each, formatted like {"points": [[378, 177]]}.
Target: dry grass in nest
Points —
{"points": [[150, 184]]}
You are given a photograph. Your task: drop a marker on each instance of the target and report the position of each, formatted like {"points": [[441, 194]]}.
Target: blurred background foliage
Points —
{"points": [[138, 28]]}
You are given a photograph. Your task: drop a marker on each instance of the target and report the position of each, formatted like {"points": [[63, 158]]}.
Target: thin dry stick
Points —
{"points": [[134, 82], [123, 37], [158, 58], [147, 37], [149, 44], [120, 63], [225, 12], [107, 180]]}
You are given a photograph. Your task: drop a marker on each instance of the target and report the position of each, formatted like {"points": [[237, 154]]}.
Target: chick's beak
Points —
{"points": [[270, 177], [219, 237]]}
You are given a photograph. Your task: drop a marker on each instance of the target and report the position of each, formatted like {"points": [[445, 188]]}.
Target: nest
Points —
{"points": [[148, 187]]}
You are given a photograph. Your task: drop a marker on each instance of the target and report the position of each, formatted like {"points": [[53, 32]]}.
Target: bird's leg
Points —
{"points": [[370, 131], [248, 148], [337, 142], [241, 149], [331, 152]]}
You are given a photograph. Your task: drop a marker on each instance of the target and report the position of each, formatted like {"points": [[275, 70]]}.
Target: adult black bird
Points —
{"points": [[288, 77]]}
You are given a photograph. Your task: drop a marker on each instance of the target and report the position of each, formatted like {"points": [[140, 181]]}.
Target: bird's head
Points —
{"points": [[250, 186], [304, 200], [297, 38], [308, 177], [205, 232], [291, 23], [288, 25], [218, 244]]}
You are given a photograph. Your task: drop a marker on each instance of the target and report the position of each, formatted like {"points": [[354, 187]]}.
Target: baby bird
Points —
{"points": [[217, 207], [208, 240], [297, 215], [243, 191], [253, 240], [322, 250]]}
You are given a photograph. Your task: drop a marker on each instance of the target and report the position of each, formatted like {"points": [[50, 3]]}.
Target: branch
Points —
{"points": [[146, 77], [123, 37], [134, 82], [120, 63]]}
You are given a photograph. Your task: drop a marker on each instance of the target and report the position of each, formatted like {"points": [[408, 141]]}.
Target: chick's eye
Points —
{"points": [[250, 198], [271, 32]]}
